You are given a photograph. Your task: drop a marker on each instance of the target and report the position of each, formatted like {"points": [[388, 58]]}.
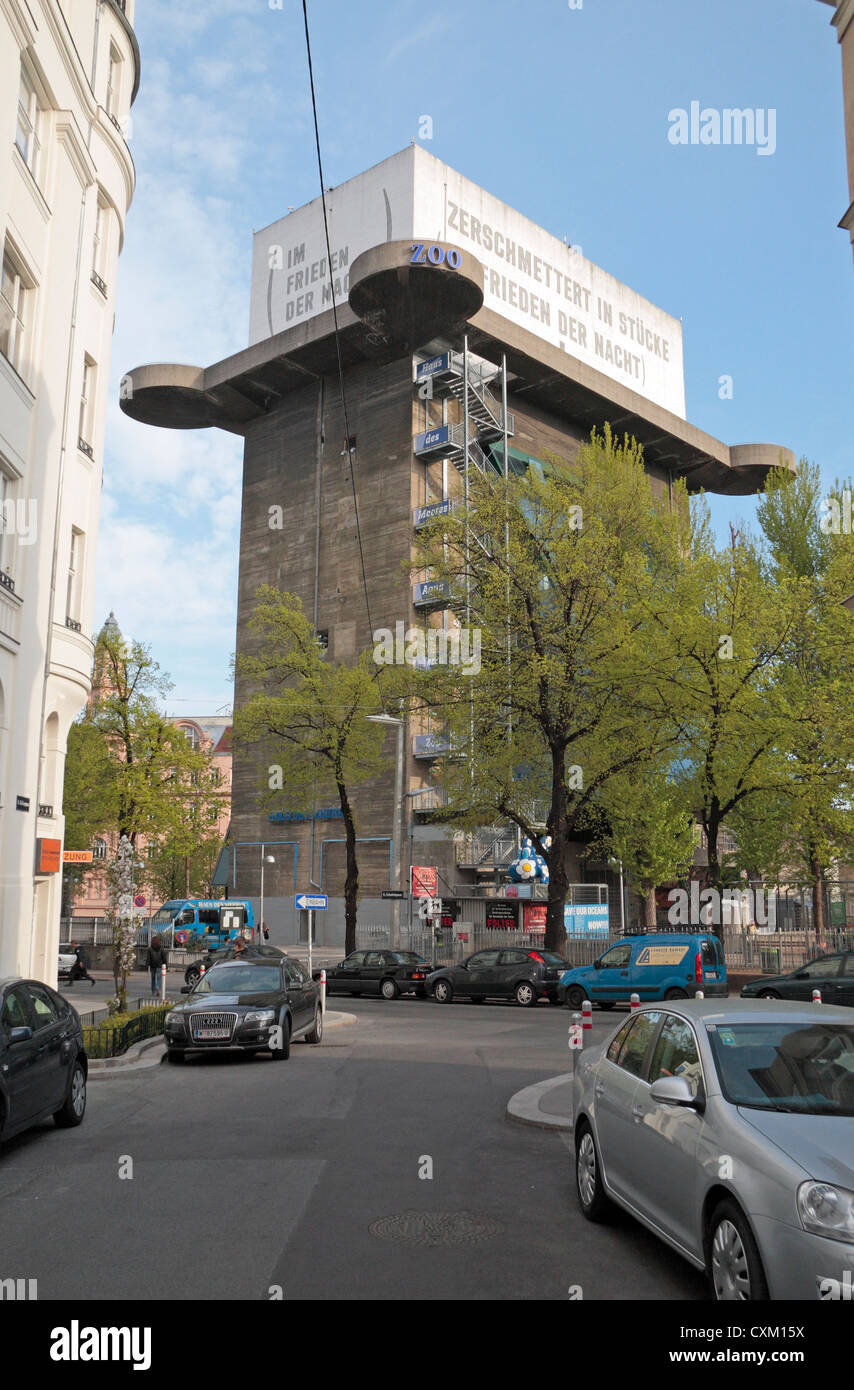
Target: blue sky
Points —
{"points": [[562, 113]]}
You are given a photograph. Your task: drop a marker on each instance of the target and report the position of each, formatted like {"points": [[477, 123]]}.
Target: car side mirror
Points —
{"points": [[597, 965], [802, 975], [673, 1090], [20, 1035]]}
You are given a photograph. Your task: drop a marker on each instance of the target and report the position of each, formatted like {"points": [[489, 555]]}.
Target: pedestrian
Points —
{"points": [[265, 931], [156, 962], [80, 968], [239, 947]]}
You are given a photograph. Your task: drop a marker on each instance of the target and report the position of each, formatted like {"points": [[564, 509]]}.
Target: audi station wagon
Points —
{"points": [[258, 1005]]}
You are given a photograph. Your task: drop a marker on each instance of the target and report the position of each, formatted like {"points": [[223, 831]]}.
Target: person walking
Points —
{"points": [[156, 962], [80, 968]]}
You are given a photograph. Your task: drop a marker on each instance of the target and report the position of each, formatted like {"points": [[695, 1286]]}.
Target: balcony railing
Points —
{"points": [[429, 799]]}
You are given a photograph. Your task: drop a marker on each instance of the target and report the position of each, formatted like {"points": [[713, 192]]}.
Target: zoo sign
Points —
{"points": [[422, 254]]}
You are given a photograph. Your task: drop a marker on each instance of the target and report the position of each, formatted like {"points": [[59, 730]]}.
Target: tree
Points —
{"points": [[560, 576], [171, 874], [720, 686], [814, 560], [307, 716], [651, 831], [123, 876]]}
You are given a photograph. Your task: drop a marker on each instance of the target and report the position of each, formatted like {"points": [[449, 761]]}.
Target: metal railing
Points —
{"points": [[778, 952], [103, 1040]]}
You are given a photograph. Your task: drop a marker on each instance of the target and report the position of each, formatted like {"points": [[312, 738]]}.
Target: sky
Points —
{"points": [[561, 109]]}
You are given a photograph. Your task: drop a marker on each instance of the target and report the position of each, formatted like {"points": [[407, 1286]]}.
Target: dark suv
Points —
{"points": [[43, 1066], [524, 973]]}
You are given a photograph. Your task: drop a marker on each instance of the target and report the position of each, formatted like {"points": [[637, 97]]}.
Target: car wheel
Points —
{"points": [[192, 975], [675, 994], [592, 1197], [525, 994], [389, 989], [175, 1056], [316, 1034], [575, 997], [768, 994], [74, 1107], [733, 1264], [443, 991], [281, 1054]]}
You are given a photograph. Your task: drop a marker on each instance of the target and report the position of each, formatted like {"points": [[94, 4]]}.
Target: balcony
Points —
{"points": [[429, 800], [429, 746]]}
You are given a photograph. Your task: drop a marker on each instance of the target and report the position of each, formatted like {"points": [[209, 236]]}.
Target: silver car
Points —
{"points": [[727, 1128]]}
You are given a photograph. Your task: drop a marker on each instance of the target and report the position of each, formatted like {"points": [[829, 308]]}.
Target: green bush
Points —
{"points": [[121, 1030]]}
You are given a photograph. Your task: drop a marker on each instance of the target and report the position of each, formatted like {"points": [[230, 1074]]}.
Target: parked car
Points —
{"points": [[386, 973], [43, 1065], [526, 974], [833, 975], [193, 973], [660, 965], [258, 1004], [727, 1128]]}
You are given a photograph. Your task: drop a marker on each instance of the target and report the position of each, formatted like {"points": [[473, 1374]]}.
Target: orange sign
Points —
{"points": [[48, 856], [77, 856]]}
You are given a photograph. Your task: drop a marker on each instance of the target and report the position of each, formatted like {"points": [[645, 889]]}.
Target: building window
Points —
{"points": [[87, 408], [99, 849], [14, 313], [74, 593], [29, 124], [114, 84], [192, 736], [100, 246]]}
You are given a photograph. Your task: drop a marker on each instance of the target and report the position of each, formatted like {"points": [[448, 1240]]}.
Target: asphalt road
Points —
{"points": [[250, 1175]]}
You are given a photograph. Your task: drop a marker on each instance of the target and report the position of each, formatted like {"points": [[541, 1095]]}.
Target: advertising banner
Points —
{"points": [[424, 881], [534, 917], [586, 919]]}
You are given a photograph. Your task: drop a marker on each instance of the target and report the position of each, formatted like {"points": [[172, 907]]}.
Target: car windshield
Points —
{"points": [[805, 1068], [238, 979], [164, 914]]}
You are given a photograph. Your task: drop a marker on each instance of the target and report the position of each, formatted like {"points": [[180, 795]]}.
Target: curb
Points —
{"points": [[524, 1107]]}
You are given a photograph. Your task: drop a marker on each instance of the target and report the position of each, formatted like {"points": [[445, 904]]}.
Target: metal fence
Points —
{"points": [[445, 949], [101, 1039], [96, 931], [778, 952]]}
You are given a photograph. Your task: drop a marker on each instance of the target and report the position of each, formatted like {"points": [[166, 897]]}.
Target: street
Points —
{"points": [[244, 1176]]}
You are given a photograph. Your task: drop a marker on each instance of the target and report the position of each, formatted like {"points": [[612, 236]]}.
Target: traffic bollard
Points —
{"points": [[587, 1015], [323, 991], [576, 1044], [163, 981], [699, 994], [634, 1002], [816, 996]]}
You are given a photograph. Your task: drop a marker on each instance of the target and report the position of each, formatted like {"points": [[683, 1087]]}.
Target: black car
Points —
{"points": [[524, 973], [258, 1004], [43, 1065], [387, 973], [833, 975], [193, 973]]}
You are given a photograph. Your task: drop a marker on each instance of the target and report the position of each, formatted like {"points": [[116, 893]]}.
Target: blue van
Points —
{"points": [[655, 966], [214, 921]]}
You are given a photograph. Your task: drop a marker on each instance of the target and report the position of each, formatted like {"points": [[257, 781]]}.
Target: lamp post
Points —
{"points": [[389, 721], [269, 859]]}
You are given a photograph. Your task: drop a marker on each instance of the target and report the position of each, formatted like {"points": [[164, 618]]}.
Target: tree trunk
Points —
{"points": [[712, 826], [186, 875], [819, 916], [649, 916], [351, 883], [555, 937]]}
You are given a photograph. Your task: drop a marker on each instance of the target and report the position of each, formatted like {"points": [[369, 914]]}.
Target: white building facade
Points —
{"points": [[69, 71]]}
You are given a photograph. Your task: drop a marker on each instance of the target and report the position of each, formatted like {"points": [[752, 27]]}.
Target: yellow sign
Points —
{"points": [[662, 955], [77, 856]]}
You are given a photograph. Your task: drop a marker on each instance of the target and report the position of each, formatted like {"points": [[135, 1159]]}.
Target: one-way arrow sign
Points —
{"points": [[315, 901]]}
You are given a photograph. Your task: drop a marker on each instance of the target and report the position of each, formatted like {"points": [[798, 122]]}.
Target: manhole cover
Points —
{"points": [[435, 1228]]}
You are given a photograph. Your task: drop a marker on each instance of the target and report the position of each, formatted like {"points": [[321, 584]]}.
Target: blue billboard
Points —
{"points": [[585, 919]]}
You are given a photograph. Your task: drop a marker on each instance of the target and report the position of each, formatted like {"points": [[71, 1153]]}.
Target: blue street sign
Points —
{"points": [[315, 901]]}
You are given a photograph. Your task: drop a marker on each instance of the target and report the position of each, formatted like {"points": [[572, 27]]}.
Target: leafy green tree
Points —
{"points": [[560, 576], [307, 718], [651, 831]]}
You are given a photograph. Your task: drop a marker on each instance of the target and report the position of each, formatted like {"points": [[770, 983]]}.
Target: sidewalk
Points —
{"points": [[546, 1105]]}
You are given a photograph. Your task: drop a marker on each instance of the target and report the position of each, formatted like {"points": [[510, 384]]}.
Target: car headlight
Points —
{"points": [[260, 1016], [826, 1210], [174, 1023]]}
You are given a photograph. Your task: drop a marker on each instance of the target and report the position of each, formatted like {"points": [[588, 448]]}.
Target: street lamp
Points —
{"points": [[268, 859], [389, 721]]}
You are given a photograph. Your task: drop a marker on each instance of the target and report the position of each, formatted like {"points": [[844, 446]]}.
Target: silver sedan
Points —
{"points": [[727, 1128]]}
